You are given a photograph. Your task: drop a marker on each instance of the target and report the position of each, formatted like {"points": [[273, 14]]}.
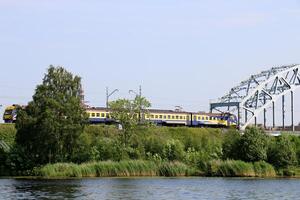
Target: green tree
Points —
{"points": [[49, 127], [231, 145], [282, 152], [173, 150], [126, 113], [253, 145]]}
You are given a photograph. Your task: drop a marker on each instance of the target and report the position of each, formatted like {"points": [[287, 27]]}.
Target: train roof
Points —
{"points": [[158, 111]]}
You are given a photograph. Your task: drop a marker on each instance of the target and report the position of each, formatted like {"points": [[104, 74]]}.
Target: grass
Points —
{"points": [[237, 168], [8, 133], [263, 169], [115, 169], [134, 168]]}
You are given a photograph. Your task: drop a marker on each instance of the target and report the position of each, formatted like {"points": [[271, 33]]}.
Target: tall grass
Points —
{"points": [[115, 169], [263, 169], [7, 133], [237, 168]]}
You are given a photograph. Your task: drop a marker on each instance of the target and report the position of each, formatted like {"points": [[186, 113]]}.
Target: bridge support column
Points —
{"points": [[265, 111], [283, 113], [273, 106], [292, 111], [239, 116]]}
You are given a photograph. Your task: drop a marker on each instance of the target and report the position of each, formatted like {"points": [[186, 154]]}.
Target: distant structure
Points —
{"points": [[261, 91]]}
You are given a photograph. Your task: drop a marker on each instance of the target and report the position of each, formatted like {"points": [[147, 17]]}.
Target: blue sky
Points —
{"points": [[183, 52]]}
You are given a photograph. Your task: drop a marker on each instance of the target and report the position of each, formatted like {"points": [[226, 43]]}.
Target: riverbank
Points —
{"points": [[136, 168], [161, 151]]}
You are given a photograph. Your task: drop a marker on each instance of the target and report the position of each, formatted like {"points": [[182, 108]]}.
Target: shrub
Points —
{"points": [[282, 153], [173, 150], [253, 145], [231, 145]]}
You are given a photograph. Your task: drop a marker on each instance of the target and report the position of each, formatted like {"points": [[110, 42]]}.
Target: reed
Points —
{"points": [[263, 169], [115, 169], [230, 168]]}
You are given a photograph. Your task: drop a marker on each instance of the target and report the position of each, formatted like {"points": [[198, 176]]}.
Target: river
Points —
{"points": [[151, 188]]}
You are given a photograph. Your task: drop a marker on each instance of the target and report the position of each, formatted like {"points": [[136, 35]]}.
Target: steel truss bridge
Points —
{"points": [[260, 92]]}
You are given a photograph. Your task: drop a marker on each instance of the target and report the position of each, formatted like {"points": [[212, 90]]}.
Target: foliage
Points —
{"points": [[263, 169], [231, 145], [199, 149], [282, 153], [173, 150], [253, 145], [48, 128], [127, 113], [230, 168], [114, 169]]}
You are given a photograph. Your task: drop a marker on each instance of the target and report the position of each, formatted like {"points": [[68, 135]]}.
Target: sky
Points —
{"points": [[182, 52]]}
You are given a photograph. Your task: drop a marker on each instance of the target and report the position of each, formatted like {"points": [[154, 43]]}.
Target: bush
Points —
{"points": [[197, 159], [231, 145], [173, 150], [253, 145], [282, 153]]}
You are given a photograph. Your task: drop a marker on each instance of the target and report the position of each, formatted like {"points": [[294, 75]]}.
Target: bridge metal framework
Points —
{"points": [[261, 91]]}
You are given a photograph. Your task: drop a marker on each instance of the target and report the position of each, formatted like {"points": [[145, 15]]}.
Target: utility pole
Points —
{"points": [[139, 100], [108, 95]]}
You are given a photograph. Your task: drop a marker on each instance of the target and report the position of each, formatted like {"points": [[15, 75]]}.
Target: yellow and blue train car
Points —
{"points": [[169, 118], [100, 115], [10, 113]]}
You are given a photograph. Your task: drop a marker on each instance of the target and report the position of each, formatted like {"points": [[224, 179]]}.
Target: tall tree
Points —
{"points": [[253, 145], [128, 114], [49, 127]]}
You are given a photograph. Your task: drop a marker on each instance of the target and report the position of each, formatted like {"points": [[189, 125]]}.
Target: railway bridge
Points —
{"points": [[260, 93]]}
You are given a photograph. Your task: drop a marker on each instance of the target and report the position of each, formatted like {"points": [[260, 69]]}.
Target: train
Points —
{"points": [[101, 115], [10, 113]]}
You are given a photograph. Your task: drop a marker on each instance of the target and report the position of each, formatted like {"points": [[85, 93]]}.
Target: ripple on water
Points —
{"points": [[151, 188]]}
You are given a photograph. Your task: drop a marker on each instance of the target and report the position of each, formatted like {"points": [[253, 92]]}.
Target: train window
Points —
{"points": [[98, 114], [183, 117], [160, 116], [102, 114], [202, 118], [152, 116], [180, 117], [177, 117], [93, 114], [173, 117], [206, 118], [156, 116], [199, 118], [169, 116], [165, 116], [195, 118]]}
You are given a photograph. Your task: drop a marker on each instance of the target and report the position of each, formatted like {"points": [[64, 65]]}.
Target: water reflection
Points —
{"points": [[151, 188]]}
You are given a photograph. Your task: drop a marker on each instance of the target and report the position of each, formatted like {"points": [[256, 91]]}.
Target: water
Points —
{"points": [[151, 188]]}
